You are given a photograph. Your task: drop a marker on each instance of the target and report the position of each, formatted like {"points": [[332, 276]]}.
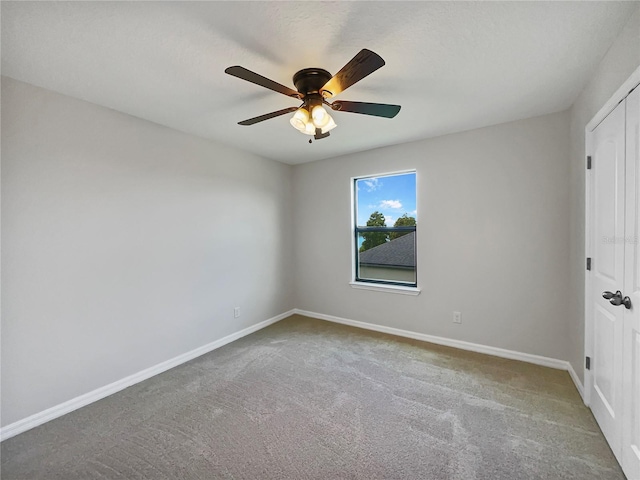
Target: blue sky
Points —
{"points": [[393, 196]]}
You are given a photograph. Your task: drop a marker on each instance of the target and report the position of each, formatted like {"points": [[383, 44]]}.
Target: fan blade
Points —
{"points": [[267, 116], [364, 63], [253, 77], [375, 109]]}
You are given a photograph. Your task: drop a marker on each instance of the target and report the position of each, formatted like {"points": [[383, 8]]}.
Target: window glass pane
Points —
{"points": [[386, 200], [391, 260]]}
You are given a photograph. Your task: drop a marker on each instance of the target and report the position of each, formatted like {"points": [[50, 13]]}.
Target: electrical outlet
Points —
{"points": [[457, 317], [236, 312]]}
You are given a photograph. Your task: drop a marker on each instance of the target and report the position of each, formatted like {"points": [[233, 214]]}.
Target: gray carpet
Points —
{"points": [[307, 399]]}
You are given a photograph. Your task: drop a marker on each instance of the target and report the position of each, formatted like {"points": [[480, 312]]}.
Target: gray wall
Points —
{"points": [[125, 244], [618, 64], [493, 237]]}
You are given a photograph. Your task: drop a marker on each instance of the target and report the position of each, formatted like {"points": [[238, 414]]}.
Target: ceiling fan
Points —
{"points": [[314, 86]]}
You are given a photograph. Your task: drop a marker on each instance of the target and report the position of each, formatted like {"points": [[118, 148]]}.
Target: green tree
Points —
{"points": [[373, 239], [404, 221]]}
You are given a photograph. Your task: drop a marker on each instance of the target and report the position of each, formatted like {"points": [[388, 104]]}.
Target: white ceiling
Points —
{"points": [[452, 66]]}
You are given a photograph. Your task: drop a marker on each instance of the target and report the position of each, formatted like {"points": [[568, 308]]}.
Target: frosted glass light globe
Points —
{"points": [[300, 119], [320, 116]]}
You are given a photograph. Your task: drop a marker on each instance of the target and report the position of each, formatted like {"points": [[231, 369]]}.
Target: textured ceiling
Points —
{"points": [[452, 66]]}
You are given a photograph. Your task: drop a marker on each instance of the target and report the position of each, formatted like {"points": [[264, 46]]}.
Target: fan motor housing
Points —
{"points": [[310, 80]]}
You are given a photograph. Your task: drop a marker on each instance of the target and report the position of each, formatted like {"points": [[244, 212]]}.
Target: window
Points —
{"points": [[385, 215]]}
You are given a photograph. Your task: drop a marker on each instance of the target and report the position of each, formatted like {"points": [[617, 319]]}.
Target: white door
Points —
{"points": [[631, 335], [613, 286], [607, 265]]}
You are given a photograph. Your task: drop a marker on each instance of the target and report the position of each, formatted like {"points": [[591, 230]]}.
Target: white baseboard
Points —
{"points": [[473, 347], [576, 380], [56, 411]]}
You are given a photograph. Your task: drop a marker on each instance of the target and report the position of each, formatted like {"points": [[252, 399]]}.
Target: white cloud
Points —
{"points": [[372, 184], [390, 204], [388, 220]]}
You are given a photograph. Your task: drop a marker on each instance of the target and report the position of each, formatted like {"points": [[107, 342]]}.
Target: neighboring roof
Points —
{"points": [[399, 253]]}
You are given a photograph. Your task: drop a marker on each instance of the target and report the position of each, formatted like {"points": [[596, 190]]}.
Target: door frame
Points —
{"points": [[620, 94]]}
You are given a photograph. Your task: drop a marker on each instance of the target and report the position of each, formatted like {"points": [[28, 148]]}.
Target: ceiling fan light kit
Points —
{"points": [[314, 86], [308, 124]]}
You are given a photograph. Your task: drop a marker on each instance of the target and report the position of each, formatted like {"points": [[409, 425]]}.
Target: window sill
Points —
{"points": [[380, 287]]}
